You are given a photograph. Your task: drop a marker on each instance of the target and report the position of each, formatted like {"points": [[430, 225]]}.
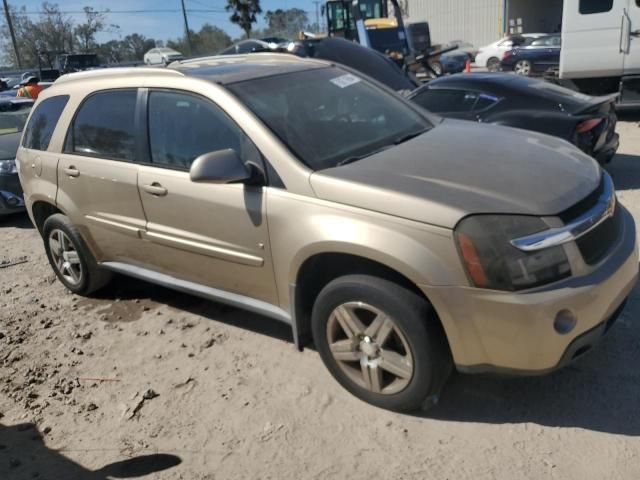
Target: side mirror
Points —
{"points": [[222, 166]]}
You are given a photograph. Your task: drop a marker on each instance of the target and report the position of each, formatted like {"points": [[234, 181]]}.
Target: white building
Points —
{"points": [[481, 22]]}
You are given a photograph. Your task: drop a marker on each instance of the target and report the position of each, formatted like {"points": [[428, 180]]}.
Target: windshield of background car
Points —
{"points": [[13, 120], [328, 116]]}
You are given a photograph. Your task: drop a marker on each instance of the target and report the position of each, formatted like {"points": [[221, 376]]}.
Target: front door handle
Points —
{"points": [[635, 33], [155, 189], [72, 171]]}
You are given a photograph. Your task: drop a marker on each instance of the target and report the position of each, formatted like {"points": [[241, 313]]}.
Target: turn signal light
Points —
{"points": [[472, 260]]}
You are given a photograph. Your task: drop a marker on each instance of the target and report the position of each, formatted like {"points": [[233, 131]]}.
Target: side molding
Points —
{"points": [[209, 293]]}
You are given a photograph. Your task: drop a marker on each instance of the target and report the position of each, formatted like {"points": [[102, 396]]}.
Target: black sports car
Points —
{"points": [[514, 101], [500, 98], [13, 116]]}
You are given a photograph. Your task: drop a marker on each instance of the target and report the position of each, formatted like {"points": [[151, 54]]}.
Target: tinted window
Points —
{"points": [[450, 101], [588, 7], [43, 122], [104, 126], [485, 101], [182, 127], [327, 116]]}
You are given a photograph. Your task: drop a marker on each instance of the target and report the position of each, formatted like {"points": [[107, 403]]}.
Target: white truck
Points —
{"points": [[601, 48]]}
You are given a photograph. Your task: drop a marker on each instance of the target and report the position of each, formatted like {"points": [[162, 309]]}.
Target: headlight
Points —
{"points": [[492, 262], [8, 166]]}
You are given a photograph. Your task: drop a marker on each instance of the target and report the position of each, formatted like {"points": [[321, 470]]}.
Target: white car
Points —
{"points": [[162, 56], [491, 55]]}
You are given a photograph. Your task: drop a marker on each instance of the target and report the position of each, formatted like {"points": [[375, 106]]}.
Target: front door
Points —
{"points": [[97, 176], [593, 43], [632, 57], [210, 234]]}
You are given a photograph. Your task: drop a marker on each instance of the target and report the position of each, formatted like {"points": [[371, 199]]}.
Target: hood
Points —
{"points": [[460, 168], [9, 144]]}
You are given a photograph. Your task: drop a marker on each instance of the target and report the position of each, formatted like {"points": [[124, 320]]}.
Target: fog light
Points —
{"points": [[565, 322]]}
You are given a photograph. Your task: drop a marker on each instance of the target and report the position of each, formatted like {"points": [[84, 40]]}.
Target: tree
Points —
{"points": [[85, 33], [41, 40], [209, 40], [285, 23], [244, 13]]}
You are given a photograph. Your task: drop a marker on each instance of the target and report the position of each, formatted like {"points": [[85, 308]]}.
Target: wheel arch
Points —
{"points": [[320, 268], [41, 210]]}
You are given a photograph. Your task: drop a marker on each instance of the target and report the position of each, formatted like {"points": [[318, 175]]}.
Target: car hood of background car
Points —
{"points": [[460, 168], [9, 144]]}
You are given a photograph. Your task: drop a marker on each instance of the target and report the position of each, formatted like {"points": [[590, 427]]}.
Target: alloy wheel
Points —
{"points": [[493, 65], [369, 347], [523, 67], [65, 257]]}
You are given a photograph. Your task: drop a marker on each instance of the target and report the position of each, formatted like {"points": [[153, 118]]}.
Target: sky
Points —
{"points": [[163, 25]]}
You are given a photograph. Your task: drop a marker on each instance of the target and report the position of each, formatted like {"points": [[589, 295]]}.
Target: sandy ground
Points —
{"points": [[142, 380]]}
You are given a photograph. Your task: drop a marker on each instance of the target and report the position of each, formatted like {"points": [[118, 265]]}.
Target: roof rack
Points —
{"points": [[118, 71]]}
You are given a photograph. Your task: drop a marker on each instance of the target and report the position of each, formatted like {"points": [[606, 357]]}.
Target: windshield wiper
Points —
{"points": [[409, 136], [355, 158]]}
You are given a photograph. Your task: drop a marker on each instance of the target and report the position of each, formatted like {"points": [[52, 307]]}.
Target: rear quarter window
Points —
{"points": [[43, 122]]}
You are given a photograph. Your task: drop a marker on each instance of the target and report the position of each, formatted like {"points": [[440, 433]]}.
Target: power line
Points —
{"points": [[109, 12]]}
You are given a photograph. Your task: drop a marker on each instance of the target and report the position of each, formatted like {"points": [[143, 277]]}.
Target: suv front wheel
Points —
{"points": [[381, 342], [70, 258]]}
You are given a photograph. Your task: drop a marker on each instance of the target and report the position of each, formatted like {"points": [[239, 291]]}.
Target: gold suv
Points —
{"points": [[400, 243]]}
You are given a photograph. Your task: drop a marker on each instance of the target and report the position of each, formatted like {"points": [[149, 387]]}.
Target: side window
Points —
{"points": [[588, 7], [485, 102], [182, 127], [104, 126], [449, 101], [43, 122]]}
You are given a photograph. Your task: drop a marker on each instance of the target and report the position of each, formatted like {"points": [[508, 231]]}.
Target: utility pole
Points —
{"points": [[317, 3], [186, 27], [13, 34]]}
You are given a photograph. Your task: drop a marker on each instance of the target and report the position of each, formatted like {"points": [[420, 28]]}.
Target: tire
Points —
{"points": [[493, 64], [70, 257], [413, 344], [523, 67]]}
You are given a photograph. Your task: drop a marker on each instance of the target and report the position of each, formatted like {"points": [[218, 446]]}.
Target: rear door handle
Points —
{"points": [[635, 33], [72, 171], [155, 189]]}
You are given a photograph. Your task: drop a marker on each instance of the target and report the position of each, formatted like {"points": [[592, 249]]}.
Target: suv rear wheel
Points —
{"points": [[70, 258], [381, 342]]}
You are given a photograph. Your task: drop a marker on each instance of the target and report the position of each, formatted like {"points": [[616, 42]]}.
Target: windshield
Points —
{"points": [[13, 121], [329, 117]]}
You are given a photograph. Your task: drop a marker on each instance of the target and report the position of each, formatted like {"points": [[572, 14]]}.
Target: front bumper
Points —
{"points": [[508, 332], [11, 196]]}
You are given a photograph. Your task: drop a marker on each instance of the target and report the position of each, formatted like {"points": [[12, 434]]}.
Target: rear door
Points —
{"points": [[593, 40], [97, 176], [211, 234], [632, 56]]}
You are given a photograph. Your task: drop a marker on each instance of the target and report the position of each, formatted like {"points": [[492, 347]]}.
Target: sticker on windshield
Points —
{"points": [[344, 81]]}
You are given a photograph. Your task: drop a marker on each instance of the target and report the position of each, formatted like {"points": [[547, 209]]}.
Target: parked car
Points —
{"points": [[532, 104], [353, 215], [490, 56], [540, 56], [452, 62], [162, 56], [13, 116]]}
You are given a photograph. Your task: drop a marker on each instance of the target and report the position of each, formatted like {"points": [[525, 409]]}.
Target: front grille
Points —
{"points": [[596, 244], [583, 205]]}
